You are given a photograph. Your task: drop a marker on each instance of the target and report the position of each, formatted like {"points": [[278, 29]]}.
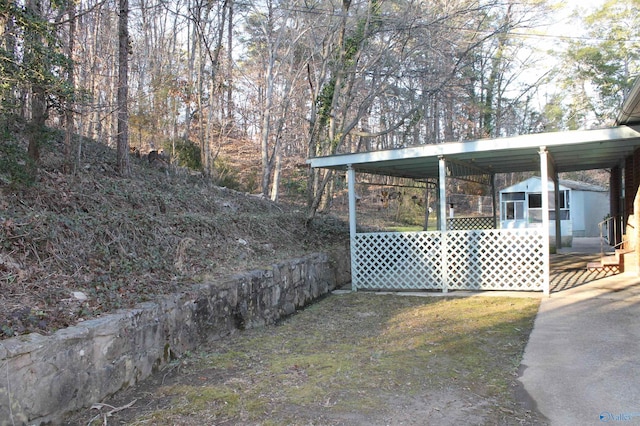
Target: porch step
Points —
{"points": [[610, 263], [598, 266]]}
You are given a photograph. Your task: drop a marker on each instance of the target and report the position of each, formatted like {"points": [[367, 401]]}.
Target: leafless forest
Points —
{"points": [[294, 79]]}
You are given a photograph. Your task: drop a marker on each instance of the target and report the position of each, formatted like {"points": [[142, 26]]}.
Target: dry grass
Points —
{"points": [[356, 359]]}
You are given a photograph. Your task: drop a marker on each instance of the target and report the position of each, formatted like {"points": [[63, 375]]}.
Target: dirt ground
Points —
{"points": [[350, 359]]}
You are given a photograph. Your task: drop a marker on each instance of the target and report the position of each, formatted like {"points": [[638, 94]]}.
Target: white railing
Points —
{"points": [[505, 259], [611, 231]]}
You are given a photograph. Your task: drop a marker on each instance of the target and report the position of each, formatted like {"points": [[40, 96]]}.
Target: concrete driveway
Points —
{"points": [[582, 363]]}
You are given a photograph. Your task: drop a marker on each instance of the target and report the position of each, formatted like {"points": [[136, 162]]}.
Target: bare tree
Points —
{"points": [[298, 79], [124, 49], [275, 37], [38, 94], [69, 107]]}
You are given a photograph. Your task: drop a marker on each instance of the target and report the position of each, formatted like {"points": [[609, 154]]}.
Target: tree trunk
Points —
{"points": [[230, 65], [492, 90], [38, 93], [275, 186], [38, 120], [266, 128], [123, 89], [192, 52], [70, 128], [8, 43], [318, 185]]}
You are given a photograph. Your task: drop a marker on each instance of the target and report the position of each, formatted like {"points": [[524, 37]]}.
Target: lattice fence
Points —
{"points": [[465, 223], [510, 259], [495, 260], [397, 260]]}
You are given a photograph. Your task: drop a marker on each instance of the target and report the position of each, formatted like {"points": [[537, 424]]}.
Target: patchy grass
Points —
{"points": [[407, 228], [358, 358]]}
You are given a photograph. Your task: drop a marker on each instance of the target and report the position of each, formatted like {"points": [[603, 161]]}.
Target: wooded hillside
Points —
{"points": [[300, 79], [76, 246]]}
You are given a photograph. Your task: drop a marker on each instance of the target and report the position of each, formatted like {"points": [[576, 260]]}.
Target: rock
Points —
{"points": [[78, 295]]}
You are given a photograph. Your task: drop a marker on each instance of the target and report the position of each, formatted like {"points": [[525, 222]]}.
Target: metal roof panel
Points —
{"points": [[571, 151]]}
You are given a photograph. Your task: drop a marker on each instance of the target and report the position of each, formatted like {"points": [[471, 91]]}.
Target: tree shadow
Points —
{"points": [[570, 270]]}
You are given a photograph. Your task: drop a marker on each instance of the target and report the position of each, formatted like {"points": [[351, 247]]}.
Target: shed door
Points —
{"points": [[512, 211]]}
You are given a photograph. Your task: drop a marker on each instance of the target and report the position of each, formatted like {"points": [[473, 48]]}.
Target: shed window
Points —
{"points": [[535, 207], [535, 201], [513, 210], [512, 196], [564, 199]]}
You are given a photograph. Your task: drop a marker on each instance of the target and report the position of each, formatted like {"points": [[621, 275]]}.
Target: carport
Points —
{"points": [[473, 258]]}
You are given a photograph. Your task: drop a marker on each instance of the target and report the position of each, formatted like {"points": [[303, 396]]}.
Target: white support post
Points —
{"points": [[427, 203], [442, 194], [351, 182], [558, 221], [544, 179], [442, 211], [494, 206]]}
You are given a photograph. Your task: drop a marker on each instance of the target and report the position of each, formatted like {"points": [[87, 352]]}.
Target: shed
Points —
{"points": [[581, 207], [589, 207]]}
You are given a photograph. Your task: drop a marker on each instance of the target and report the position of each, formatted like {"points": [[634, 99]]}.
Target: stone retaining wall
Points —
{"points": [[44, 377]]}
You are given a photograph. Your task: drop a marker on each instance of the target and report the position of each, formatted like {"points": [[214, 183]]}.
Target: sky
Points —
{"points": [[562, 26]]}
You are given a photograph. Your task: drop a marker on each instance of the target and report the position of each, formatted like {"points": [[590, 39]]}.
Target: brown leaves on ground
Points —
{"points": [[76, 246]]}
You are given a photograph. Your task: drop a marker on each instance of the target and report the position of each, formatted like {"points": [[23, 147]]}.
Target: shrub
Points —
{"points": [[226, 175], [186, 154], [16, 168]]}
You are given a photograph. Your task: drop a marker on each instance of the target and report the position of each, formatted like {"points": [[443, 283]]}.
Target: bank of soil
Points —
{"points": [[76, 246]]}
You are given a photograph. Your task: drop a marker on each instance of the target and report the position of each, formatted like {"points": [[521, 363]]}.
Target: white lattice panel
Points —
{"points": [[397, 260], [495, 260], [475, 260], [464, 223]]}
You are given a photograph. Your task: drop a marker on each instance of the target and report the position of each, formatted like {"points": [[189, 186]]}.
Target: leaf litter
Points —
{"points": [[73, 247]]}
